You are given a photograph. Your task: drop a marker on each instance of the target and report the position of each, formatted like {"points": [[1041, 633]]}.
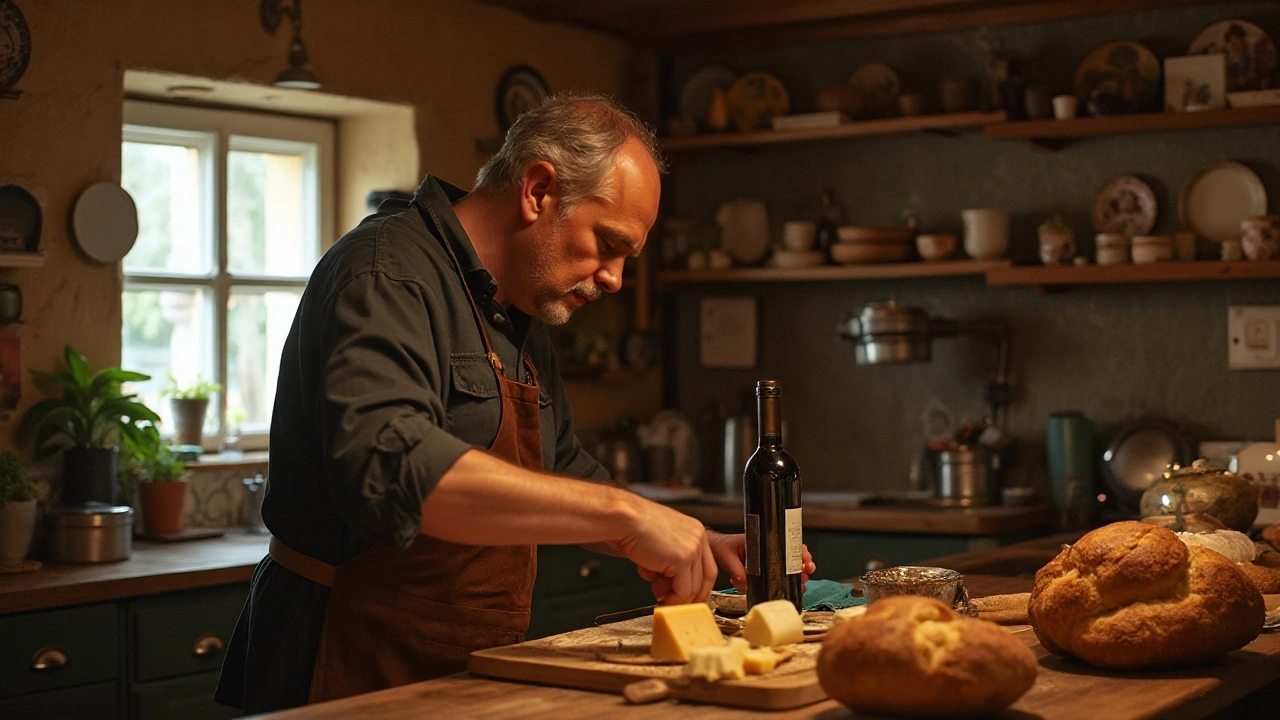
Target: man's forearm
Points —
{"points": [[482, 500]]}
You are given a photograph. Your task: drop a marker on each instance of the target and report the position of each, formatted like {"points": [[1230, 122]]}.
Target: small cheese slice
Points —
{"points": [[679, 629], [773, 623], [759, 661], [716, 663], [844, 615]]}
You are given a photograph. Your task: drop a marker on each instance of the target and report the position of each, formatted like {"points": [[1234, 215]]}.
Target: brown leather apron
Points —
{"points": [[396, 617]]}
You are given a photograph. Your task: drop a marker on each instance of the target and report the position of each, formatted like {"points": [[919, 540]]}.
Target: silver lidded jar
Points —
{"points": [[90, 533]]}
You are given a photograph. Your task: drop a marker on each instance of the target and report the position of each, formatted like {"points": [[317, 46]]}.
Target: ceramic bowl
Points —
{"points": [[939, 583], [1149, 249], [936, 246], [847, 253], [872, 234]]}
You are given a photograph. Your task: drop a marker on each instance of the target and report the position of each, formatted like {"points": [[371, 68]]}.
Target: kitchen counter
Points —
{"points": [[1064, 690], [891, 517], [152, 568]]}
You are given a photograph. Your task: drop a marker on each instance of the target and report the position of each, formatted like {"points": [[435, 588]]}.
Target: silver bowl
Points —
{"points": [[939, 583]]}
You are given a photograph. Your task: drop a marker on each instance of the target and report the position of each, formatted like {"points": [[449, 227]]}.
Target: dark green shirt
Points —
{"points": [[383, 386]]}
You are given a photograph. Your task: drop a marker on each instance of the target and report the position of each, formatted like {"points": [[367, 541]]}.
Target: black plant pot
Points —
{"points": [[89, 475]]}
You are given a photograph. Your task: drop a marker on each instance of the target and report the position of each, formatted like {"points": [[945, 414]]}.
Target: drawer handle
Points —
{"points": [[589, 569], [208, 644], [49, 658]]}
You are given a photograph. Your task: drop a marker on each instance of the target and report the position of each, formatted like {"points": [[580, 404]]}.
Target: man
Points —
{"points": [[421, 444]]}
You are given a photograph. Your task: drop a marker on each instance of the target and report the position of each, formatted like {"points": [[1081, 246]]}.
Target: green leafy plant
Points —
{"points": [[1055, 224], [144, 458], [200, 389], [92, 411], [15, 481]]}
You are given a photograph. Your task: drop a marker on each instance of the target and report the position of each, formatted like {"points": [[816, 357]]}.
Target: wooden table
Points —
{"points": [[1064, 690], [151, 568]]}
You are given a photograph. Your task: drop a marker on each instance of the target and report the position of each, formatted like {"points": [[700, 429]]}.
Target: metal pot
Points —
{"points": [[90, 533], [889, 333], [740, 442], [965, 477]]}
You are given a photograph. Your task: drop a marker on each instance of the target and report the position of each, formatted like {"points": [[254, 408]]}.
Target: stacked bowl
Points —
{"points": [[867, 244]]}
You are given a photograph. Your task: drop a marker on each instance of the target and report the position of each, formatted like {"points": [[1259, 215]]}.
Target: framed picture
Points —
{"points": [[1195, 82], [727, 332]]}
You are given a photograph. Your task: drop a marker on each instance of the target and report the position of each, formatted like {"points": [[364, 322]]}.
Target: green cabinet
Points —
{"points": [[150, 657], [575, 585]]}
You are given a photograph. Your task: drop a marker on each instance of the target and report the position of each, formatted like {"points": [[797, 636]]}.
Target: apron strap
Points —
{"points": [[298, 563]]}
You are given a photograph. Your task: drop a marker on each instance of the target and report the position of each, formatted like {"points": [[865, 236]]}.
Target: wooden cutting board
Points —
{"points": [[573, 660]]}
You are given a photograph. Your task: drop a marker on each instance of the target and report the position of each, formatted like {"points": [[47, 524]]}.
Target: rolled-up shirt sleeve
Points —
{"points": [[381, 410]]}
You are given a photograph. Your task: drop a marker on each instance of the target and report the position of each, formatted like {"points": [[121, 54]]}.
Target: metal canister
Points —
{"points": [[965, 478], [91, 533]]}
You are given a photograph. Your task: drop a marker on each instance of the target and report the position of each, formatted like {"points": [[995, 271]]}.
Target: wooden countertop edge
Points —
{"points": [[79, 593], [895, 519]]}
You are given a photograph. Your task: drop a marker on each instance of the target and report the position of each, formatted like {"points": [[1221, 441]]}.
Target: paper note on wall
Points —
{"points": [[728, 332]]}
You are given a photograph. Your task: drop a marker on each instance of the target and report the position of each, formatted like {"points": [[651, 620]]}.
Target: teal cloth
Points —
{"points": [[823, 595]]}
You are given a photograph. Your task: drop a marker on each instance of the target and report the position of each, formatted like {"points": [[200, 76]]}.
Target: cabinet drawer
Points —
{"points": [[97, 701], [78, 646], [188, 698], [569, 570], [183, 633]]}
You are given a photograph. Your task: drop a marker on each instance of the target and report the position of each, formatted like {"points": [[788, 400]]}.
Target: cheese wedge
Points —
{"points": [[679, 629], [844, 615], [726, 662], [759, 661], [773, 623]]}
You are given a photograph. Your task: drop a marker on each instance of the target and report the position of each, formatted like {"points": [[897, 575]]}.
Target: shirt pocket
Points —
{"points": [[475, 407]]}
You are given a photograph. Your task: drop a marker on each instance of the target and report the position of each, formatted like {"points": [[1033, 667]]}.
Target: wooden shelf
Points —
{"points": [[1035, 275], [21, 259], [946, 123], [1054, 133], [676, 278]]}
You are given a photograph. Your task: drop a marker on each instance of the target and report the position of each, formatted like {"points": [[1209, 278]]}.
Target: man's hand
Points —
{"points": [[672, 552], [730, 552]]}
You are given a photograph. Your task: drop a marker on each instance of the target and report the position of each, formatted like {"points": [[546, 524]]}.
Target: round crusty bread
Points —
{"points": [[913, 655], [1266, 579], [1132, 595]]}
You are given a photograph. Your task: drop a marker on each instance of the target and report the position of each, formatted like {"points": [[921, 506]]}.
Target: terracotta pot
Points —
{"points": [[162, 505], [17, 523], [188, 420]]}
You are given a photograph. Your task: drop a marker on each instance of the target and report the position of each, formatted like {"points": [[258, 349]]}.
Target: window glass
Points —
{"points": [[267, 199], [164, 181], [258, 321], [165, 328]]}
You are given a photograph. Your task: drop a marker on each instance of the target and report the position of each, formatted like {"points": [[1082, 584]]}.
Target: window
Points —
{"points": [[232, 211]]}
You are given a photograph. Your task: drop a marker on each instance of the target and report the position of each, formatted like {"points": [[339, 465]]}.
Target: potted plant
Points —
{"points": [[17, 509], [86, 421], [190, 403], [160, 476]]}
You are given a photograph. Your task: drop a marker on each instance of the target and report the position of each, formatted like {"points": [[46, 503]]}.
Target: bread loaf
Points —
{"points": [[1132, 595], [1271, 534], [1266, 579], [913, 655]]}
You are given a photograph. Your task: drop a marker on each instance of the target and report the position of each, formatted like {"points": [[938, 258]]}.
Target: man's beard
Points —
{"points": [[553, 310]]}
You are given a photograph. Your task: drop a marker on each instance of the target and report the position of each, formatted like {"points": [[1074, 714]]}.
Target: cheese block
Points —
{"points": [[679, 629], [773, 623], [844, 615], [716, 663], [759, 661]]}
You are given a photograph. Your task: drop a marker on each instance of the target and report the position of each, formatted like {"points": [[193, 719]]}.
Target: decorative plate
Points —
{"points": [[1215, 199], [1121, 68], [1138, 456], [20, 219], [697, 91], [105, 222], [1124, 205], [879, 85], [755, 98], [15, 45], [1250, 52], [521, 88]]}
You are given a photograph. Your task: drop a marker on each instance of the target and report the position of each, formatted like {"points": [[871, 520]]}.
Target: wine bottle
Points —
{"points": [[771, 490]]}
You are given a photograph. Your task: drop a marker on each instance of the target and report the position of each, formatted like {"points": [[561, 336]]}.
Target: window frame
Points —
{"points": [[217, 132]]}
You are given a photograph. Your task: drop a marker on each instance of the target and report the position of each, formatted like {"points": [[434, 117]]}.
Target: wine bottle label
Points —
{"points": [[753, 544], [795, 542]]}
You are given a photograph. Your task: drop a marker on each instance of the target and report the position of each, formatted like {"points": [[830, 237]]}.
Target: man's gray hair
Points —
{"points": [[579, 136]]}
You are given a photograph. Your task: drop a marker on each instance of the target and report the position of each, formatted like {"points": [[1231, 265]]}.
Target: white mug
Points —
{"points": [[986, 233], [798, 234], [1064, 106]]}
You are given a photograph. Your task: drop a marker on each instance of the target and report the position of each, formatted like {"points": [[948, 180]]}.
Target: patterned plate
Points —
{"points": [[755, 98], [879, 85], [1123, 68], [1124, 205], [1250, 53]]}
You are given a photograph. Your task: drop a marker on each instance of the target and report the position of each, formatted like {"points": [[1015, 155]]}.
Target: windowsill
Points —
{"points": [[227, 461]]}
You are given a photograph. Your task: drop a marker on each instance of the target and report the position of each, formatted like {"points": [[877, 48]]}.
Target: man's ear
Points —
{"points": [[539, 191]]}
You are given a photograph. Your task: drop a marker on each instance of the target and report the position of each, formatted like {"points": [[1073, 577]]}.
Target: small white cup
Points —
{"points": [[986, 232], [1064, 106], [798, 234]]}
